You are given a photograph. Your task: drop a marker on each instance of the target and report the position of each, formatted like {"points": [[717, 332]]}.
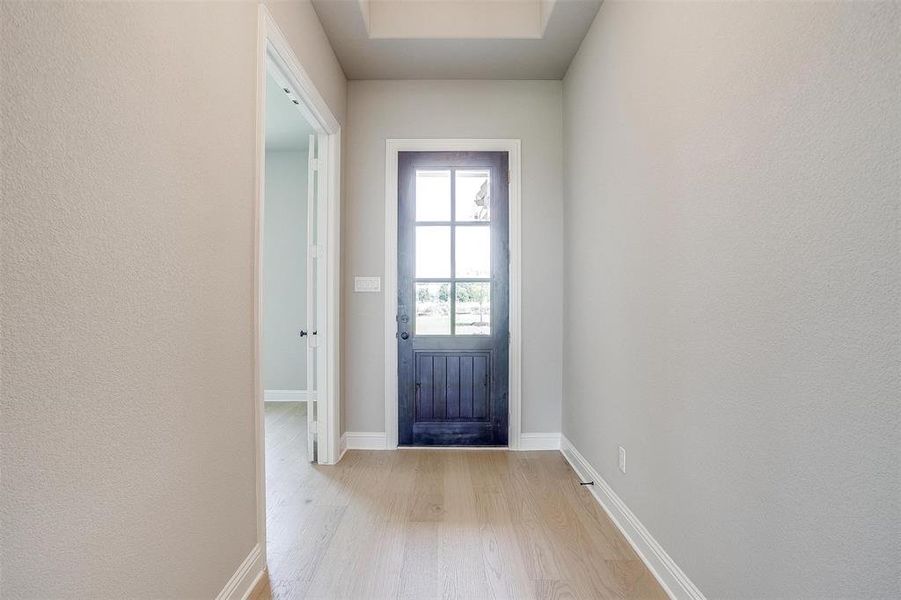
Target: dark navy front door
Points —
{"points": [[453, 298]]}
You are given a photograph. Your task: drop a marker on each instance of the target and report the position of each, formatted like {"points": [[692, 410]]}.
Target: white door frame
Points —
{"points": [[275, 56], [512, 148]]}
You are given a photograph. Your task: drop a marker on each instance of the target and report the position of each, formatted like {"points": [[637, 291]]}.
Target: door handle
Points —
{"points": [[303, 333], [404, 335]]}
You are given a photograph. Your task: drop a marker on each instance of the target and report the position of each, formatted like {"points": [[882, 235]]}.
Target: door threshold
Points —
{"points": [[453, 447]]}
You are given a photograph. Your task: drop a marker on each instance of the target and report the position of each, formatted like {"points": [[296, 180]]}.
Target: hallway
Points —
{"points": [[497, 248], [420, 524]]}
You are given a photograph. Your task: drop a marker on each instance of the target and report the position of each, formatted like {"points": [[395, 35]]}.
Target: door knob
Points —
{"points": [[303, 333], [404, 335]]}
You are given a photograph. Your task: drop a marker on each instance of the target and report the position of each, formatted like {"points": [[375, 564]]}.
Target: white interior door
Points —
{"points": [[311, 286]]}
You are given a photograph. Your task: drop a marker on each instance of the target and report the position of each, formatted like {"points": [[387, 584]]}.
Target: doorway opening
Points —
{"points": [[449, 332], [453, 298], [290, 333], [296, 276]]}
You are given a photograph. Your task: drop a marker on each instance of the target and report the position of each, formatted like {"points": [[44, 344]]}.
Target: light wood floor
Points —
{"points": [[423, 524]]}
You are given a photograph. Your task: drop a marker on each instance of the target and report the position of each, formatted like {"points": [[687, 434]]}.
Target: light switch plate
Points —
{"points": [[367, 284]]}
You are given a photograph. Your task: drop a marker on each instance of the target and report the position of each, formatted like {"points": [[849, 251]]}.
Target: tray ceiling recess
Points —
{"points": [[455, 39]]}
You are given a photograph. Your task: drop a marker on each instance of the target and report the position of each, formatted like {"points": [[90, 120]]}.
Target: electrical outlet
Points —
{"points": [[622, 459]]}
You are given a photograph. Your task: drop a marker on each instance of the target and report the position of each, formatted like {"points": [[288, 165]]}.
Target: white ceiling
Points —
{"points": [[444, 57], [286, 127]]}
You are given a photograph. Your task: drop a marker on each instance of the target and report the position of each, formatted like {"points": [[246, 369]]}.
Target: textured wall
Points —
{"points": [[530, 110], [732, 286], [127, 251], [285, 271]]}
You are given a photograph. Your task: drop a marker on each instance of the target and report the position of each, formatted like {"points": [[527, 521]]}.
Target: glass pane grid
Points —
{"points": [[438, 196], [452, 281]]}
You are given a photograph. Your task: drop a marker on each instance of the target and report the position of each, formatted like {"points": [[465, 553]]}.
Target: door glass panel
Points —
{"points": [[433, 196], [432, 309], [473, 252], [432, 251], [473, 309], [472, 195]]}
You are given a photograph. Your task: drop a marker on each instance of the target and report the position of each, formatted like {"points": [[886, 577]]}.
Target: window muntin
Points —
{"points": [[452, 247]]}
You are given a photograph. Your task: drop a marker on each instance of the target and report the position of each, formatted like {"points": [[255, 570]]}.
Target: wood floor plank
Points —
{"points": [[428, 487], [293, 569], [353, 547], [424, 573], [461, 540], [505, 564], [437, 524], [554, 589]]}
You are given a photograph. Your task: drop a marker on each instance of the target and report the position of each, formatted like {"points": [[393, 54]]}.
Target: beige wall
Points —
{"points": [[127, 251], [733, 283], [528, 110]]}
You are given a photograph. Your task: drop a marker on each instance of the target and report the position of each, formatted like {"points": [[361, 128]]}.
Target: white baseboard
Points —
{"points": [[241, 584], [673, 580], [286, 395], [365, 440], [539, 441]]}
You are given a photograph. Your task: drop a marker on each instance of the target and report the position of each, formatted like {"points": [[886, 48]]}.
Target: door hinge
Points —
{"points": [[314, 164], [314, 251]]}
